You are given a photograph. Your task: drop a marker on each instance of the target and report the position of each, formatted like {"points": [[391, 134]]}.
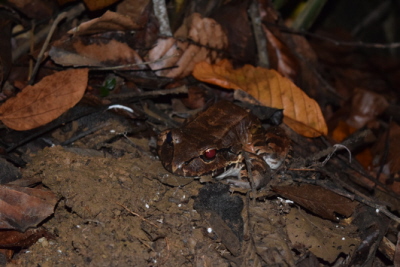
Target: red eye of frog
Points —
{"points": [[210, 153]]}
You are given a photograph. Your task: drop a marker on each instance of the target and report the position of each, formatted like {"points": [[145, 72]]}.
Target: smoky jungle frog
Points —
{"points": [[215, 142]]}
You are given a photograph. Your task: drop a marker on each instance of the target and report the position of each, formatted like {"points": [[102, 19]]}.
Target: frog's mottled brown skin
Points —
{"points": [[230, 130]]}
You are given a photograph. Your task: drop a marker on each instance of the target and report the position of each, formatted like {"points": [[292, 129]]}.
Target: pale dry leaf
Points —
{"points": [[109, 21], [198, 39], [286, 63], [45, 101], [270, 89], [366, 106]]}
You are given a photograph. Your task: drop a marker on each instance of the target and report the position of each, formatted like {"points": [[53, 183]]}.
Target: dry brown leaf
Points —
{"points": [[45, 101], [22, 207], [14, 239], [101, 49], [323, 238], [36, 9], [392, 164], [98, 4], [109, 21], [198, 39], [270, 88], [75, 52], [319, 200], [234, 19]]}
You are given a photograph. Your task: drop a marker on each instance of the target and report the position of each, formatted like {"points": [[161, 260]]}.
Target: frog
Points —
{"points": [[225, 141]]}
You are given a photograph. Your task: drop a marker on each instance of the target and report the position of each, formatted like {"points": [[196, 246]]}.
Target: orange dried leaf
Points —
{"points": [[45, 101], [271, 89], [342, 131], [75, 52]]}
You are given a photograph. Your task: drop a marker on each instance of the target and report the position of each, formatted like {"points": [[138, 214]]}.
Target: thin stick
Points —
{"points": [[361, 197], [177, 90], [76, 10], [336, 42], [135, 64], [261, 40], [136, 214], [250, 175]]}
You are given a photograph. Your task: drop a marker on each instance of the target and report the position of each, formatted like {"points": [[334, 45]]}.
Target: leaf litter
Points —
{"points": [[118, 206]]}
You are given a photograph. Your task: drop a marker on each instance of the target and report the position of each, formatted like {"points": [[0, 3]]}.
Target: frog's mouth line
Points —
{"points": [[232, 170], [222, 155]]}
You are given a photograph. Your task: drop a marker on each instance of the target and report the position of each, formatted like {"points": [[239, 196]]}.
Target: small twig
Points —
{"points": [[49, 127], [302, 170], [142, 150], [261, 40], [85, 133], [25, 47], [336, 147], [59, 18], [135, 64], [168, 251], [379, 12], [157, 115], [173, 91], [336, 42], [136, 214], [31, 47], [330, 150], [385, 152], [160, 10], [250, 175], [76, 10], [360, 197]]}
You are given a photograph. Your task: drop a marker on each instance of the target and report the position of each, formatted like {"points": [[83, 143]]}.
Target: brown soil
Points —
{"points": [[130, 211]]}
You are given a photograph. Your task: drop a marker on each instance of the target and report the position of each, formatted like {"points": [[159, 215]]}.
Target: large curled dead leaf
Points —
{"points": [[198, 39], [22, 207], [271, 89], [319, 200], [100, 42], [45, 101]]}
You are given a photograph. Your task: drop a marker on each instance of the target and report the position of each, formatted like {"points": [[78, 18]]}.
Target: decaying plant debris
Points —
{"points": [[81, 181]]}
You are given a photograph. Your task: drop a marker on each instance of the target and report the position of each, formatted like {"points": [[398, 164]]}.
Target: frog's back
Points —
{"points": [[219, 120]]}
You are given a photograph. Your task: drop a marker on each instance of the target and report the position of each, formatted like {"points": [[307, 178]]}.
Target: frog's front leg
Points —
{"points": [[260, 173]]}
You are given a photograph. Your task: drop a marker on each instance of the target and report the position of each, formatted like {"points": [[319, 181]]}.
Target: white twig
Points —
{"points": [[336, 147]]}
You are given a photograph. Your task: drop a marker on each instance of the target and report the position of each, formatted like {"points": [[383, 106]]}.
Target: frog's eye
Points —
{"points": [[210, 153]]}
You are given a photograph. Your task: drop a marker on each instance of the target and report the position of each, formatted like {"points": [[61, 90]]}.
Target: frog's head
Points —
{"points": [[192, 155]]}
